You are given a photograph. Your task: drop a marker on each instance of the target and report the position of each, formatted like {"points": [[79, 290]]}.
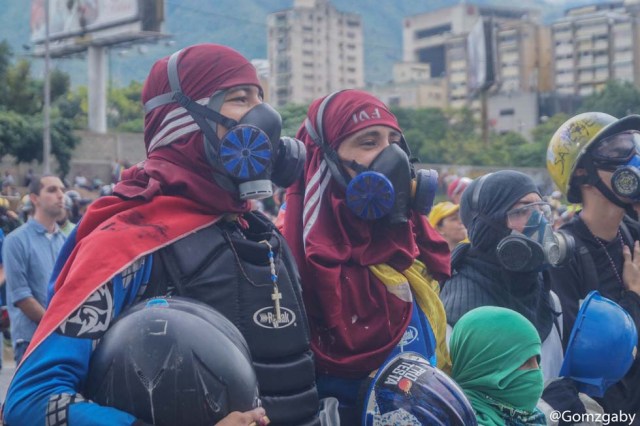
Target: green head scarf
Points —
{"points": [[488, 346]]}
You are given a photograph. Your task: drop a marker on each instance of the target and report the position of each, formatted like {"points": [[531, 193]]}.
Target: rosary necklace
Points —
{"points": [[276, 296], [606, 252]]}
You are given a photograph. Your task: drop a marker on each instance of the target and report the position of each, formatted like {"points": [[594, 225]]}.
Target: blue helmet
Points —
{"points": [[602, 345], [408, 390]]}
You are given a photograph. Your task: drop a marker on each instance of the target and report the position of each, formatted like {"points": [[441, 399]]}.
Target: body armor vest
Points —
{"points": [[229, 269]]}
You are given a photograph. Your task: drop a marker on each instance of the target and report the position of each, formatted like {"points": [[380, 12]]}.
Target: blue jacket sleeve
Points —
{"points": [[54, 371], [47, 388]]}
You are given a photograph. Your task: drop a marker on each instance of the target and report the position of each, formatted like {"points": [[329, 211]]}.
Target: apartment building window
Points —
{"points": [[507, 112], [307, 64], [353, 23], [282, 80], [307, 52], [430, 32], [283, 66], [307, 28]]}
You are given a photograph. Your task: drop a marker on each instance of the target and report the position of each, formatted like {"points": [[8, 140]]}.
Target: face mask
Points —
{"points": [[390, 187], [537, 246], [524, 389], [251, 155], [625, 181], [619, 154]]}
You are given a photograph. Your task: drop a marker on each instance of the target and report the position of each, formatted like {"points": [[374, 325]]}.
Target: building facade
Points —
{"points": [[440, 38], [313, 49], [594, 44], [412, 87]]}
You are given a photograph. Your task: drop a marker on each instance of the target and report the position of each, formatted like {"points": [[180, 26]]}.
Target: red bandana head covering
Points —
{"points": [[170, 195], [176, 161], [355, 322]]}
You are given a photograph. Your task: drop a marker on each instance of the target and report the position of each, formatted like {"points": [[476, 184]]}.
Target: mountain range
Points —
{"points": [[241, 24]]}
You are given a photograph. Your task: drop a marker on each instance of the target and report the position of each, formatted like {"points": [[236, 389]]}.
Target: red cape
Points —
{"points": [[112, 235]]}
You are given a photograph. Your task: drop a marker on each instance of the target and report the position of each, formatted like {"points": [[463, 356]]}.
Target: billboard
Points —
{"points": [[481, 59], [99, 22]]}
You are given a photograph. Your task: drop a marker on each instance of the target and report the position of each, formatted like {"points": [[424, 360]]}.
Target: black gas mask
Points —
{"points": [[389, 188], [531, 244], [251, 155], [619, 154], [536, 246]]}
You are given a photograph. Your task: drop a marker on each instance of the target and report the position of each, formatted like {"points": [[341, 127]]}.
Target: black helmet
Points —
{"points": [[173, 361], [408, 390]]}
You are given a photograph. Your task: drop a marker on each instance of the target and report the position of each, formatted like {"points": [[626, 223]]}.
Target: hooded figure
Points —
{"points": [[480, 279], [359, 277], [179, 224], [494, 352]]}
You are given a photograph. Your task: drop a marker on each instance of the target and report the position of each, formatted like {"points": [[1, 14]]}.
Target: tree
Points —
{"points": [[292, 117], [21, 122], [617, 98], [125, 111]]}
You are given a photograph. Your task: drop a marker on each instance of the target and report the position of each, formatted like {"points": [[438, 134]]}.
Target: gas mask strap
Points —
{"points": [[594, 179], [330, 155], [176, 95], [174, 83], [475, 197]]}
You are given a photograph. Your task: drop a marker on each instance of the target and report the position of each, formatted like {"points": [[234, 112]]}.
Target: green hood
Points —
{"points": [[488, 346]]}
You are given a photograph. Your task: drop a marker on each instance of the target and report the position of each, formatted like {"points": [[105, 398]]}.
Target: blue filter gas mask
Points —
{"points": [[625, 181], [619, 154], [251, 154], [389, 188], [532, 244]]}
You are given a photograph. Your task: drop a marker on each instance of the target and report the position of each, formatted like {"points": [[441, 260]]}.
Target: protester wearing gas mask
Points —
{"points": [[369, 259], [511, 245], [593, 159], [180, 224]]}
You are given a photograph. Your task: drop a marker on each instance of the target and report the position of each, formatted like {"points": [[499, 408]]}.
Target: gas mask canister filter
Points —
{"points": [[619, 154], [536, 246], [390, 187]]}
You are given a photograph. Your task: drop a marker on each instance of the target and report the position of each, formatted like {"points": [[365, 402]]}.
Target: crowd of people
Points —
{"points": [[354, 298]]}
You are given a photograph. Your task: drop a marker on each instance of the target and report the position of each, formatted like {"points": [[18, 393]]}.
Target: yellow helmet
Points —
{"points": [[4, 203], [571, 140]]}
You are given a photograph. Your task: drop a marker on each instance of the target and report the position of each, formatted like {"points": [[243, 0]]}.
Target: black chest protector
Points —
{"points": [[230, 271]]}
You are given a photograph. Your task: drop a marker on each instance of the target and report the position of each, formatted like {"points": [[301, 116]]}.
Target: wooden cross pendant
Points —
{"points": [[276, 296]]}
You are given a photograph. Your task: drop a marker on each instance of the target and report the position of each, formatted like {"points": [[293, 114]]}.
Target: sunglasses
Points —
{"points": [[615, 150]]}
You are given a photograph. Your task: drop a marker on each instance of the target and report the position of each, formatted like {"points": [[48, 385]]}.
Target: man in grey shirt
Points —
{"points": [[29, 254]]}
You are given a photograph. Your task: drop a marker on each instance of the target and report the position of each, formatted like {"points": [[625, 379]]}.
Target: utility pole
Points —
{"points": [[46, 137], [484, 115]]}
